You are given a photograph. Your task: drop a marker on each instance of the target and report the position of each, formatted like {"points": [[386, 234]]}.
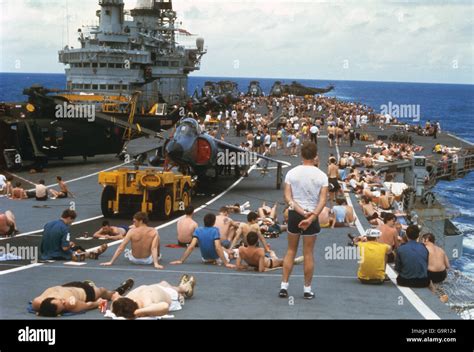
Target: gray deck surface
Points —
{"points": [[220, 293]]}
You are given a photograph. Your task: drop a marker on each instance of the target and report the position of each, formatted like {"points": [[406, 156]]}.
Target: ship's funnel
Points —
{"points": [[200, 44]]}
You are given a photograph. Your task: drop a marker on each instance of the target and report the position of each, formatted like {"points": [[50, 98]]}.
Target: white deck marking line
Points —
{"points": [[226, 273], [412, 297], [88, 176], [23, 179], [70, 181], [20, 269], [39, 231]]}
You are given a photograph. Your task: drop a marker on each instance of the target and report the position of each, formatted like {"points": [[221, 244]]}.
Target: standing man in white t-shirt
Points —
{"points": [[314, 130], [306, 188]]}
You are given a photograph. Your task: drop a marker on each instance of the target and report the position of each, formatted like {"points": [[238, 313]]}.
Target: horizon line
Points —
{"points": [[276, 78]]}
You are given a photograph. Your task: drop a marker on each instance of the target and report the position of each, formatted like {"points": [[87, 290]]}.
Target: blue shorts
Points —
{"points": [[226, 244], [295, 218], [126, 228]]}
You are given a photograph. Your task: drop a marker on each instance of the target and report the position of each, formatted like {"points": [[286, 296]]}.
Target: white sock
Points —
{"points": [[284, 285], [307, 289]]}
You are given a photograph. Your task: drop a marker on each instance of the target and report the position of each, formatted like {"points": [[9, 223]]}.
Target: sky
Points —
{"points": [[405, 41]]}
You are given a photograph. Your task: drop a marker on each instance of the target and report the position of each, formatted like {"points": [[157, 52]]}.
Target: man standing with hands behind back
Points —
{"points": [[306, 188]]}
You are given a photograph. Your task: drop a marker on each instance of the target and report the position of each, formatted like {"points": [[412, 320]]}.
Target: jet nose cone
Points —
{"points": [[175, 150]]}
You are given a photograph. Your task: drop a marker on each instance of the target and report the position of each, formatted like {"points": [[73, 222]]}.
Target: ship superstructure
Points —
{"points": [[130, 51]]}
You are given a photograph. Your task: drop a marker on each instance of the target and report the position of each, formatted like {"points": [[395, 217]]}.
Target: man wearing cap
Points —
{"points": [[373, 258]]}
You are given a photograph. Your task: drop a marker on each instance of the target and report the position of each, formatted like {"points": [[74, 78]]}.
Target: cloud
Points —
{"points": [[402, 41]]}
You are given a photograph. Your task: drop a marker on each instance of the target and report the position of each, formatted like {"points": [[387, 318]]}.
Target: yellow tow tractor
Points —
{"points": [[157, 193]]}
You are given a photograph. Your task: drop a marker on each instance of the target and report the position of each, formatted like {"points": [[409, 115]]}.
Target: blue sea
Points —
{"points": [[451, 104]]}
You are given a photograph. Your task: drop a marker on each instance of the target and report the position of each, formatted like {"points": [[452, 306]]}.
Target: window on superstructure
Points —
{"points": [[110, 87], [174, 63], [102, 65], [87, 86], [86, 65], [94, 65], [103, 87], [95, 87]]}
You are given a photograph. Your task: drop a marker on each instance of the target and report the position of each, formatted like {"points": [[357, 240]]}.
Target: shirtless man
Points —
{"points": [[385, 201], [266, 212], [186, 227], [226, 227], [153, 300], [389, 233], [145, 242], [438, 262], [63, 190], [367, 161], [369, 211], [255, 257], [7, 224], [333, 174], [245, 228], [18, 193], [111, 232], [331, 135], [74, 297], [350, 217]]}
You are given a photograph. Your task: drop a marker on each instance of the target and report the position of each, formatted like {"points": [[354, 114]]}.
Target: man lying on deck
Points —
{"points": [[153, 300], [75, 297], [111, 232]]}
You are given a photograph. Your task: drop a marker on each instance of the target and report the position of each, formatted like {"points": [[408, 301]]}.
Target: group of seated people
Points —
{"points": [[418, 261], [222, 240], [40, 193], [443, 149], [389, 152]]}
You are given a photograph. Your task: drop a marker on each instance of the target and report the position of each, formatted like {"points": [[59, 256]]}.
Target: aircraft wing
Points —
{"points": [[143, 145]]}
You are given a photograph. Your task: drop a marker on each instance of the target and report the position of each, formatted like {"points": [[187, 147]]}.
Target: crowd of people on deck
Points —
{"points": [[221, 240]]}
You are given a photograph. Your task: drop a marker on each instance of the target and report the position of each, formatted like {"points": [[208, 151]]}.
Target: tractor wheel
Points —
{"points": [[165, 204], [186, 197], [108, 194]]}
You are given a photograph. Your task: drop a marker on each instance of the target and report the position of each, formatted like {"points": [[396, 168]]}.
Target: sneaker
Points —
{"points": [[95, 255], [191, 283], [283, 293], [125, 287], [309, 295], [299, 260], [78, 257]]}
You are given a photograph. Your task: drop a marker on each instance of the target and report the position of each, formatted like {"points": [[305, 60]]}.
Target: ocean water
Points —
{"points": [[451, 104]]}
